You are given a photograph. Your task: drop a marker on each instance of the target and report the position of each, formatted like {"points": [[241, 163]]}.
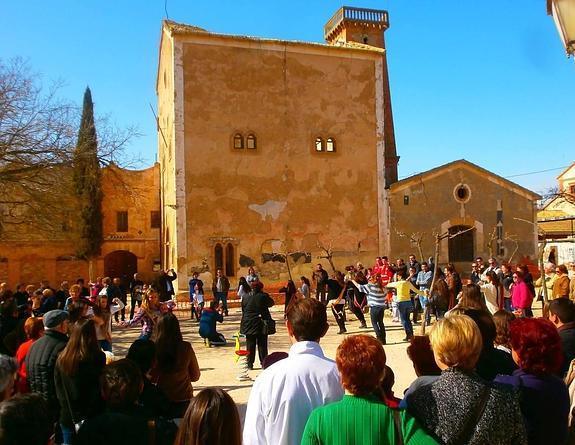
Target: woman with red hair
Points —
{"points": [[361, 417], [536, 348]]}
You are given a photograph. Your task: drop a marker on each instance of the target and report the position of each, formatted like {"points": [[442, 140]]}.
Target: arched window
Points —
{"points": [[460, 246], [238, 141], [318, 144], [251, 142], [330, 144], [230, 261], [218, 256]]}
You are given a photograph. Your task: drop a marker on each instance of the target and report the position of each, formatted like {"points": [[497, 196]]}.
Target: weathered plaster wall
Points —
{"points": [[29, 260], [433, 208], [283, 190]]}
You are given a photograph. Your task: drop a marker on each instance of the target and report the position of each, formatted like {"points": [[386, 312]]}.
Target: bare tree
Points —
{"points": [[554, 192], [38, 134], [327, 253], [416, 239], [438, 239], [513, 239]]}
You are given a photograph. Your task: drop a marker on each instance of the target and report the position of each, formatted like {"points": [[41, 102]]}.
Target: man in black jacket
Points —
{"points": [[562, 315], [41, 359]]}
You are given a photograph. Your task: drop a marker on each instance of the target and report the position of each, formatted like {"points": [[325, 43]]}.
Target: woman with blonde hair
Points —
{"points": [[212, 418], [149, 312], [460, 407]]}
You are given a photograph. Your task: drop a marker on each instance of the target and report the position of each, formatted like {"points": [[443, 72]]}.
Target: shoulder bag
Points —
{"points": [[268, 326]]}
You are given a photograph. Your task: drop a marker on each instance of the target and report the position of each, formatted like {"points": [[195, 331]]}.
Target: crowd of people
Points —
{"points": [[487, 373]]}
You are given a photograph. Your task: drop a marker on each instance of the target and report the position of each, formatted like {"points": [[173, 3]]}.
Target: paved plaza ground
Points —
{"points": [[220, 369]]}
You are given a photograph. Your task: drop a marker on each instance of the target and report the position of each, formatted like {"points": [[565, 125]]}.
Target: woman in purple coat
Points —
{"points": [[544, 399]]}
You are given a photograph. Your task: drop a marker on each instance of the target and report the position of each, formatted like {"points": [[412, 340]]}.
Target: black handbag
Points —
{"points": [[268, 326]]}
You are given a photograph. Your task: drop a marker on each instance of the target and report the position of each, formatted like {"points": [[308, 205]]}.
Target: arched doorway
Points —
{"points": [[120, 264], [461, 246]]}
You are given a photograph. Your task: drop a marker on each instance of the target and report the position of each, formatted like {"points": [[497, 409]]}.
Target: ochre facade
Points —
{"points": [[458, 196], [266, 148], [32, 257]]}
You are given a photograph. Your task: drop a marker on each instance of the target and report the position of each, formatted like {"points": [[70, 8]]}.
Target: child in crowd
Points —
{"points": [[197, 302], [103, 312], [149, 313]]}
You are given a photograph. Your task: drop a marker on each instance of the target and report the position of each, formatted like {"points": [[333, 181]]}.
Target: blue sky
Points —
{"points": [[487, 80]]}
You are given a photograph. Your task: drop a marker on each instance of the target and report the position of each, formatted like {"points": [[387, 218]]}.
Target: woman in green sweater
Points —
{"points": [[361, 417]]}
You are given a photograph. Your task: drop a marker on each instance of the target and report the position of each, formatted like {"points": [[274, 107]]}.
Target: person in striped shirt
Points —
{"points": [[376, 302]]}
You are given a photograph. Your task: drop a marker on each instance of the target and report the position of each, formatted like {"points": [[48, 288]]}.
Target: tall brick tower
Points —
{"points": [[367, 26]]}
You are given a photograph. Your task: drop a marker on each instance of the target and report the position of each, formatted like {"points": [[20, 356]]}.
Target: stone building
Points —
{"points": [[131, 223], [270, 147], [456, 197]]}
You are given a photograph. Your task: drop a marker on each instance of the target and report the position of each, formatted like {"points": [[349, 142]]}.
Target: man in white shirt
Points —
{"points": [[285, 394]]}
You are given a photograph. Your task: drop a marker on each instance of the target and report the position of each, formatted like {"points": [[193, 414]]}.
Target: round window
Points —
{"points": [[461, 193]]}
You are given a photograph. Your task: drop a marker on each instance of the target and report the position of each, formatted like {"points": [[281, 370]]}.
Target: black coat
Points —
{"points": [[40, 364], [567, 334], [255, 308], [79, 395]]}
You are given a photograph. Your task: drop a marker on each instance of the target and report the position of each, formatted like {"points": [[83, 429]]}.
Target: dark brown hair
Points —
{"points": [[82, 347], [502, 318], [211, 418], [168, 340], [308, 319], [471, 298], [420, 353], [121, 384]]}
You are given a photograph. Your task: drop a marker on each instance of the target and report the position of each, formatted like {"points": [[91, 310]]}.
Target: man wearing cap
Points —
{"points": [[41, 358]]}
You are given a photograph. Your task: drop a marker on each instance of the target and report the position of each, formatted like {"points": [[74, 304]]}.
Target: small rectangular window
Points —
{"points": [[155, 219], [572, 189], [122, 221]]}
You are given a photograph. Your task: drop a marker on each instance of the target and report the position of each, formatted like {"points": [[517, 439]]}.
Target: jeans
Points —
{"points": [[105, 345], [507, 304], [68, 435], [424, 302], [405, 307], [376, 314], [223, 297]]}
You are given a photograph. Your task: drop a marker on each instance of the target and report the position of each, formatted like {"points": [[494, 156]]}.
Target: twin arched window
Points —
{"points": [[327, 145], [250, 142], [224, 259]]}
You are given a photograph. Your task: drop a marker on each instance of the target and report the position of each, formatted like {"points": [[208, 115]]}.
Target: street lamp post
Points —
{"points": [[563, 12]]}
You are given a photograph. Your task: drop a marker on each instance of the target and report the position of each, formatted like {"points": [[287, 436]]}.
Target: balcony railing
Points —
{"points": [[361, 15]]}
